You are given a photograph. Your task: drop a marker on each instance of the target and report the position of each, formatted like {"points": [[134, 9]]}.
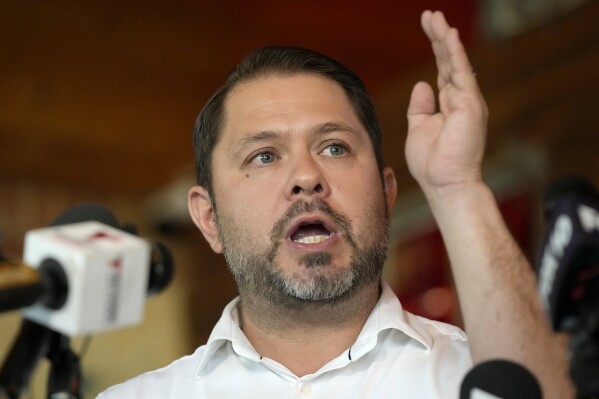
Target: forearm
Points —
{"points": [[497, 287]]}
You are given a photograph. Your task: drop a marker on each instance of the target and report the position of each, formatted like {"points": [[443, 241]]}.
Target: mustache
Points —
{"points": [[299, 207]]}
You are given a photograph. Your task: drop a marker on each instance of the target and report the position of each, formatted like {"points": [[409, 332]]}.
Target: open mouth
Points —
{"points": [[311, 233]]}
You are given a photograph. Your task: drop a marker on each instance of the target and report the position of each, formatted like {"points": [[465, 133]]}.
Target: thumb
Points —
{"points": [[422, 104]]}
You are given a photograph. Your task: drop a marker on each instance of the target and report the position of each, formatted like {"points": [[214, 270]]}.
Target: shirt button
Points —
{"points": [[306, 389]]}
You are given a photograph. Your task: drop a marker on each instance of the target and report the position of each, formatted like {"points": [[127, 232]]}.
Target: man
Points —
{"points": [[293, 191]]}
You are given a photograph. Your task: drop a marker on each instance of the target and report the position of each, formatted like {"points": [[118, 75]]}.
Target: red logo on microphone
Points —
{"points": [[114, 289], [117, 263], [102, 235]]}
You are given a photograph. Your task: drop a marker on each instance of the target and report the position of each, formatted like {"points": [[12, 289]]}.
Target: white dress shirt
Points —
{"points": [[397, 355]]}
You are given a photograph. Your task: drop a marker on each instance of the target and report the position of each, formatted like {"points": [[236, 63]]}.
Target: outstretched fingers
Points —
{"points": [[452, 62]]}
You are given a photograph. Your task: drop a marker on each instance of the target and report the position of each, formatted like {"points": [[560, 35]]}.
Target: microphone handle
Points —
{"points": [[20, 286]]}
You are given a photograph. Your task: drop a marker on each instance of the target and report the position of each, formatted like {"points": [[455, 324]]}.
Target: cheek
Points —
{"points": [[238, 230], [249, 205], [358, 192]]}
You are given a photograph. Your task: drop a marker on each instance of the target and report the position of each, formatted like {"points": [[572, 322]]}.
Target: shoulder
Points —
{"points": [[390, 314], [434, 328], [158, 383], [177, 379]]}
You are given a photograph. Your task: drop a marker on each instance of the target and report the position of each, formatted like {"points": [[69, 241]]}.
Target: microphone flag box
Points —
{"points": [[107, 272]]}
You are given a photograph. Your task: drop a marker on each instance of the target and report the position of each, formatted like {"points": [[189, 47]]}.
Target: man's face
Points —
{"points": [[299, 204]]}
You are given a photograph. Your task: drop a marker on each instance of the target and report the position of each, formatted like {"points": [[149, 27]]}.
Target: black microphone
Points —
{"points": [[86, 212], [499, 379], [568, 276], [569, 264]]}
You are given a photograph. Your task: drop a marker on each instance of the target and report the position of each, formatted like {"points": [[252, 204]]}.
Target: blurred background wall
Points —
{"points": [[98, 99]]}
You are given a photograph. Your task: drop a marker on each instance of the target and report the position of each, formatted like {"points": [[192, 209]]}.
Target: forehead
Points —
{"points": [[276, 101]]}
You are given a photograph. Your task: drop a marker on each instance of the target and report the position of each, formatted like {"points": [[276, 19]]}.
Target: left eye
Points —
{"points": [[335, 150]]}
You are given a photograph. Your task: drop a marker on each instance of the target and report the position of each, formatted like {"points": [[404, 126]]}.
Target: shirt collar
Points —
{"points": [[387, 314], [227, 329]]}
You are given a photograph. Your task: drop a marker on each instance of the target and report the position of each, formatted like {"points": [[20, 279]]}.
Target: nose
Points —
{"points": [[306, 180]]}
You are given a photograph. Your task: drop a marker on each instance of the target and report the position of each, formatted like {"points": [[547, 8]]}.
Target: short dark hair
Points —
{"points": [[286, 61]]}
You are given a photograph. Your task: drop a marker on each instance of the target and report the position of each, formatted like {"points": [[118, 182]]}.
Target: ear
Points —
{"points": [[390, 187], [201, 210]]}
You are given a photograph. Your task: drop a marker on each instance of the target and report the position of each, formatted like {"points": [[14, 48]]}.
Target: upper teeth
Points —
{"points": [[312, 239]]}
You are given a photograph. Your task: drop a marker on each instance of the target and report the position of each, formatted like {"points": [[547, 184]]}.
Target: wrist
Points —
{"points": [[459, 196]]}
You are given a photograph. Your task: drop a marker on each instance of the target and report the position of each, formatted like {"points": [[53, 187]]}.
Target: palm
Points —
{"points": [[445, 146]]}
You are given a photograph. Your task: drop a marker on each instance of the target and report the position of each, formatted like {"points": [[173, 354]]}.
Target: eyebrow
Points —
{"points": [[329, 127], [264, 135], [254, 138]]}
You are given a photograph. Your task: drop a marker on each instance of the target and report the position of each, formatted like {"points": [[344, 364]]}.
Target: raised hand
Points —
{"points": [[496, 285], [446, 139]]}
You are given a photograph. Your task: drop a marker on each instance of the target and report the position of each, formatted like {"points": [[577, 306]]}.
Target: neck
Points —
{"points": [[306, 338]]}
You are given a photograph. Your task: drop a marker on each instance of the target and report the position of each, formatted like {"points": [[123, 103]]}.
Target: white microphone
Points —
{"points": [[83, 274], [106, 272]]}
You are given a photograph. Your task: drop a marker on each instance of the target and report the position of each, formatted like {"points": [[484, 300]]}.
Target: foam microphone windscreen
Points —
{"points": [[85, 212], [500, 379]]}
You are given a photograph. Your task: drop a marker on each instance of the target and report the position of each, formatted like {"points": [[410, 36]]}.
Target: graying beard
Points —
{"points": [[317, 259], [255, 272], [252, 275]]}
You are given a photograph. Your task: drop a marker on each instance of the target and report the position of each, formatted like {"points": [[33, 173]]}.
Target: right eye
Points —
{"points": [[264, 158]]}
